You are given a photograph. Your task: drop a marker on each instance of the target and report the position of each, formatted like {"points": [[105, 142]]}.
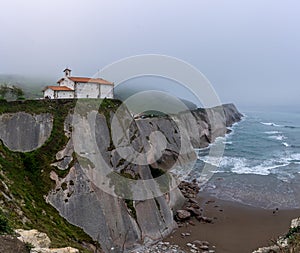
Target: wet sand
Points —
{"points": [[236, 228]]}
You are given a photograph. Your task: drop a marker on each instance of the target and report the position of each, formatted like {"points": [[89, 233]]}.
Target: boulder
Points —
{"points": [[194, 211], [40, 242], [34, 237], [295, 223], [183, 214]]}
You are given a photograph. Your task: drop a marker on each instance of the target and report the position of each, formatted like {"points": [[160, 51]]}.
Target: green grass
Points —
{"points": [[5, 227]]}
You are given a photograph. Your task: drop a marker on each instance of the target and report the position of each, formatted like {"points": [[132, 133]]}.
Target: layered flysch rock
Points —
{"points": [[25, 132], [116, 187], [121, 215], [203, 126], [113, 211]]}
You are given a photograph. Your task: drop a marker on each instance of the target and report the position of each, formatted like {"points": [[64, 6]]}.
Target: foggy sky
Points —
{"points": [[248, 49]]}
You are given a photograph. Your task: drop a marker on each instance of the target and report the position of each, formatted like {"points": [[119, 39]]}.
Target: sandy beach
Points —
{"points": [[236, 228]]}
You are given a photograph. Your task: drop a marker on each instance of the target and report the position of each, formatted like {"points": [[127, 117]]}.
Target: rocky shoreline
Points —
{"points": [[183, 217], [191, 208], [193, 214]]}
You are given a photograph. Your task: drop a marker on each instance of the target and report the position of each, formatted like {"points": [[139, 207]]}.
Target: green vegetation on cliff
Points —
{"points": [[293, 237], [5, 227], [25, 180]]}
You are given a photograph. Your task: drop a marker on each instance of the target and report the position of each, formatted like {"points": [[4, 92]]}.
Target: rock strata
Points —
{"points": [[107, 208], [116, 222], [121, 219]]}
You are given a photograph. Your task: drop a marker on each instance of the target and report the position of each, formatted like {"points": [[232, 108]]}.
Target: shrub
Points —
{"points": [[29, 246], [4, 224]]}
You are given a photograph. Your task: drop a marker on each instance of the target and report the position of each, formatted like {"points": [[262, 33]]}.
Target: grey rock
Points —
{"points": [[183, 214], [295, 223], [200, 243], [92, 195], [25, 132], [97, 208], [203, 247], [175, 199], [194, 211]]}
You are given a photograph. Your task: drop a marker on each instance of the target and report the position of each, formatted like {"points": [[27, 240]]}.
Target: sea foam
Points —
{"points": [[270, 124]]}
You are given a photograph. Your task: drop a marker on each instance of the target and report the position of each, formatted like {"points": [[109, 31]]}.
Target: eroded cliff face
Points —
{"points": [[107, 212], [119, 202], [203, 126], [25, 132]]}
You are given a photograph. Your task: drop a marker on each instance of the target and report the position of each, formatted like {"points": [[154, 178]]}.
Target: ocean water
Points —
{"points": [[261, 162]]}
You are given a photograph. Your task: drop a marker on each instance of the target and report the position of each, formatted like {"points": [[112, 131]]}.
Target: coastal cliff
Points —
{"points": [[63, 170]]}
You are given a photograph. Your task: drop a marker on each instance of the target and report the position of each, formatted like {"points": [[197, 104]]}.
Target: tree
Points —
{"points": [[4, 89], [18, 92], [11, 92]]}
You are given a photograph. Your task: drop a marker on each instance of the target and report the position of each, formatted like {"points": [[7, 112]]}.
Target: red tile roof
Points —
{"points": [[64, 88], [87, 80]]}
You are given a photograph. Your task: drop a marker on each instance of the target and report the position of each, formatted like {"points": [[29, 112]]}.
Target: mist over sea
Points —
{"points": [[261, 161]]}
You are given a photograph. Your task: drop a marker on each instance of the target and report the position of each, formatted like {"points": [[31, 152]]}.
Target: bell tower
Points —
{"points": [[67, 72]]}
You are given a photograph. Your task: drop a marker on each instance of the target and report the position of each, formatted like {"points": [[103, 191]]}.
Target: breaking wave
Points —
{"points": [[270, 124], [239, 165], [276, 125]]}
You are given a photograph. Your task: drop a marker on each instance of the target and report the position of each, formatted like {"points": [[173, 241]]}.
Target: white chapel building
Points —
{"points": [[79, 87]]}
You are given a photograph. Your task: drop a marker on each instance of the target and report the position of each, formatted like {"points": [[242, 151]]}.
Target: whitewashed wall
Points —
{"points": [[64, 94], [87, 90], [107, 91], [82, 90], [49, 93], [67, 82]]}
